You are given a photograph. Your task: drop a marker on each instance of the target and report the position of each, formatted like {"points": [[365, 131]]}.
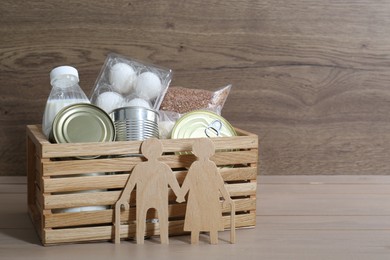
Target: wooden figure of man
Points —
{"points": [[152, 179], [204, 184]]}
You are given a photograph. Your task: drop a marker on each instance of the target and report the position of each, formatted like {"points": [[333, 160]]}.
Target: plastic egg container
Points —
{"points": [[126, 82]]}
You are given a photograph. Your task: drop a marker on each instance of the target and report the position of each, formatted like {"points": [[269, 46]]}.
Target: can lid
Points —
{"points": [[82, 123], [202, 123], [63, 70]]}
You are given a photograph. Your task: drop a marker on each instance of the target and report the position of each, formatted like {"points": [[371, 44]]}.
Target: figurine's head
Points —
{"points": [[203, 148], [152, 148]]}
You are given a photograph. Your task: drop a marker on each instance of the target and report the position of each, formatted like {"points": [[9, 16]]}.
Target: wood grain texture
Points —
{"points": [[309, 77]]}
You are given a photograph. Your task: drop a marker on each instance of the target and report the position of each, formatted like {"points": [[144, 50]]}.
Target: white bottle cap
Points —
{"points": [[63, 70]]}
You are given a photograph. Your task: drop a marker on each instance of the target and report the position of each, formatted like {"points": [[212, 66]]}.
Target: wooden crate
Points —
{"points": [[54, 180]]}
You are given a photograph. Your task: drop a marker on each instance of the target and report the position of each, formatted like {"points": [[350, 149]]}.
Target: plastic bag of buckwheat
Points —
{"points": [[182, 100]]}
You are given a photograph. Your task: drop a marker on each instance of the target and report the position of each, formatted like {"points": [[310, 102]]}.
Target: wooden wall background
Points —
{"points": [[311, 78]]}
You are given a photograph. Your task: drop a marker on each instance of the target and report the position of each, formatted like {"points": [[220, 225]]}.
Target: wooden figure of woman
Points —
{"points": [[204, 184], [152, 179]]}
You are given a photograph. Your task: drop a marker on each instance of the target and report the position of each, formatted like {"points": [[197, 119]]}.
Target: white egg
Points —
{"points": [[122, 77], [138, 102], [148, 86], [109, 101]]}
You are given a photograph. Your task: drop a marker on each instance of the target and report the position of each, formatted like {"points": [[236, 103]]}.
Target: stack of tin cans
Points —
{"points": [[88, 123]]}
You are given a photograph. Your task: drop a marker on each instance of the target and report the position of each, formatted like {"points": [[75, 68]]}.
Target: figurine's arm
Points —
{"points": [[130, 184], [222, 188], [172, 181], [184, 187]]}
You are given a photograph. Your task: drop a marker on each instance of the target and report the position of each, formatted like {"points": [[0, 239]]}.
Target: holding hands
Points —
{"points": [[180, 197]]}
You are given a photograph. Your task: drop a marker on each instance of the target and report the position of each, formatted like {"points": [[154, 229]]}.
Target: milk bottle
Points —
{"points": [[65, 91]]}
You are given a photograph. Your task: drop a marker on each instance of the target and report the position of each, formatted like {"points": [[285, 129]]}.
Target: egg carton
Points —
{"points": [[128, 82]]}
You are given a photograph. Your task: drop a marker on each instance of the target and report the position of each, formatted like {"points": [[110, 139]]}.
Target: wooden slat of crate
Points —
{"points": [[106, 216], [110, 197], [34, 133], [36, 215], [55, 236], [39, 201], [246, 140], [85, 183], [120, 148], [55, 168], [33, 175], [119, 180]]}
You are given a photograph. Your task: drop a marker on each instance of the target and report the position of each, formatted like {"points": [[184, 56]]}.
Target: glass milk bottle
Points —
{"points": [[65, 91]]}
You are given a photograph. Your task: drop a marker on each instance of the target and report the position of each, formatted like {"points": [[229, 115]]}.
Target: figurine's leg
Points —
{"points": [[163, 220], [140, 223], [195, 236], [214, 237]]}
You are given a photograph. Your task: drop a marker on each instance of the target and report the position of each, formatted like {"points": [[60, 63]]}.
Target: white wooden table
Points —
{"points": [[298, 217]]}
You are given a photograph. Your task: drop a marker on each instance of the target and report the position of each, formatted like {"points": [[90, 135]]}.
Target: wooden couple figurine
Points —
{"points": [[203, 182], [152, 179]]}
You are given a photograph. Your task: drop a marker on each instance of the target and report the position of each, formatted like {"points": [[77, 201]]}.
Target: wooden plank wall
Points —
{"points": [[311, 78]]}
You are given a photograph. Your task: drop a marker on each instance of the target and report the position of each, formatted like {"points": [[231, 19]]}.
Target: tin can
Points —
{"points": [[202, 123], [82, 123], [135, 123]]}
